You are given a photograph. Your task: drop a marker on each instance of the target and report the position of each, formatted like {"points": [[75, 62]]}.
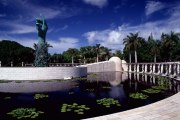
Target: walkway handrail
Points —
{"points": [[58, 64], [171, 69]]}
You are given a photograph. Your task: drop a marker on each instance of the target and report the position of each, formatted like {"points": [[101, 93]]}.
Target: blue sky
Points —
{"points": [[76, 23]]}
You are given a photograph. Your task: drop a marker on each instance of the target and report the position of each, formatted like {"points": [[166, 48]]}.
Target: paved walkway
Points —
{"points": [[166, 109]]}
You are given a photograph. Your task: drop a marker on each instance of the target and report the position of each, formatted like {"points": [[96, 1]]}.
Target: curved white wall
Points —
{"points": [[114, 64], [40, 73]]}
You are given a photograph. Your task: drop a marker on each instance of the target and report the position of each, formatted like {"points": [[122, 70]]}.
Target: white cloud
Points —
{"points": [[22, 29], [2, 15], [153, 6], [98, 3], [30, 11], [64, 27], [113, 38], [63, 44]]}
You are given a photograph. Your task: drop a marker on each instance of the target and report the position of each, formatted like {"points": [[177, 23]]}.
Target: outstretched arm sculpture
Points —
{"points": [[41, 49]]}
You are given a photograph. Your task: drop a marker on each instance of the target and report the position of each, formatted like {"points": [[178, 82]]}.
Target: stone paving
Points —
{"points": [[166, 109]]}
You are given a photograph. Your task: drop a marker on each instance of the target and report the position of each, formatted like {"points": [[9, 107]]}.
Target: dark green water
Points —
{"points": [[83, 92]]}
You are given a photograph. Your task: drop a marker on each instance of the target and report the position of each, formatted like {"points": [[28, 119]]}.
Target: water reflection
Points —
{"points": [[114, 78], [153, 80], [32, 87]]}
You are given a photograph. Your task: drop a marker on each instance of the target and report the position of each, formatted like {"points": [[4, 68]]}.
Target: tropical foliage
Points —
{"points": [[167, 48], [13, 51]]}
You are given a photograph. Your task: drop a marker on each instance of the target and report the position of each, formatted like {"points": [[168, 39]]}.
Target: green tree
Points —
{"points": [[169, 42], [133, 41], [154, 47], [71, 53], [98, 48], [15, 52], [118, 53], [105, 53]]}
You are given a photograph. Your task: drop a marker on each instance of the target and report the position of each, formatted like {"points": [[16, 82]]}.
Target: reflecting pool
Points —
{"points": [[79, 98]]}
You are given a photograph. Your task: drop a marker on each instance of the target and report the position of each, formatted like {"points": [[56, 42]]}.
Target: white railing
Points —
{"points": [[171, 69]]}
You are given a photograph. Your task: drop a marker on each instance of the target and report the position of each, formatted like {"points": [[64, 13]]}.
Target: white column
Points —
{"points": [[154, 66], [129, 67], [145, 67], [166, 73], [178, 69], [159, 69], [150, 67], [0, 63], [22, 64], [169, 71], [138, 68], [162, 65]]}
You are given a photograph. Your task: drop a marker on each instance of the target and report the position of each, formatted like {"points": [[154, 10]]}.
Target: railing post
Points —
{"points": [[166, 73], [22, 64], [151, 70], [137, 67], [162, 65], [169, 70], [154, 67], [178, 69], [130, 67], [0, 63], [159, 69]]}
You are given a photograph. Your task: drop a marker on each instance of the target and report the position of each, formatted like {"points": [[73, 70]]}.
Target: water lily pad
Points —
{"points": [[107, 102], [20, 113], [138, 96], [6, 98], [40, 96], [79, 109], [151, 91], [159, 87]]}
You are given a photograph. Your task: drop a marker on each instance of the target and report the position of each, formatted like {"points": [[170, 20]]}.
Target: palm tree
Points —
{"points": [[170, 41], [132, 41], [154, 46], [98, 48], [73, 52], [83, 52], [105, 53]]}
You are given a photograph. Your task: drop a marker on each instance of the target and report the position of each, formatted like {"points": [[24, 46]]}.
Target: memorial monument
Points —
{"points": [[41, 48]]}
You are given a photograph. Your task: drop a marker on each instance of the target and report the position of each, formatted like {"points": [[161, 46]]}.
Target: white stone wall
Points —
{"points": [[114, 64], [100, 67], [40, 73]]}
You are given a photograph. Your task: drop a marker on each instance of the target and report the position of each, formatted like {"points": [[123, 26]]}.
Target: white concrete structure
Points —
{"points": [[40, 73], [114, 64]]}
